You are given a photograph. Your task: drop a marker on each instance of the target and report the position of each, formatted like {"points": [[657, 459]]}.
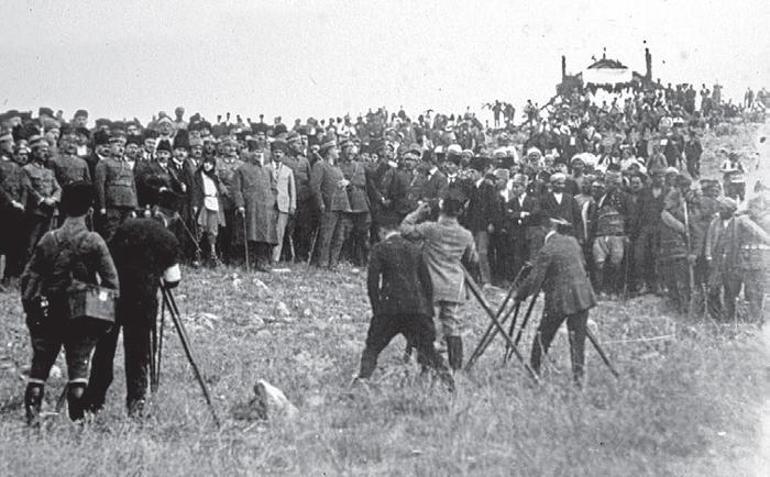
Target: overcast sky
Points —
{"points": [[120, 58]]}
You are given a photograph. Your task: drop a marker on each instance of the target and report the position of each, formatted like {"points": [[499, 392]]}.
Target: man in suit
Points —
{"points": [[560, 204], [436, 185], [559, 271], [399, 290], [483, 213], [524, 238], [286, 198]]}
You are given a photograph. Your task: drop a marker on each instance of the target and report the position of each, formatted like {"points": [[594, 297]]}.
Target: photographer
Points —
{"points": [[145, 253], [63, 255]]}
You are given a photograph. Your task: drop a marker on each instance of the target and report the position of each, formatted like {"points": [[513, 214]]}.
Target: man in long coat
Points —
{"points": [[559, 270], [254, 192]]}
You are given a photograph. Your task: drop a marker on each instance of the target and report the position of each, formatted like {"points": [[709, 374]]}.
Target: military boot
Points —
{"points": [[33, 401], [455, 352]]}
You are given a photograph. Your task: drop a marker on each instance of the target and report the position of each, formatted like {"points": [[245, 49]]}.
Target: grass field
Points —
{"points": [[689, 401]]}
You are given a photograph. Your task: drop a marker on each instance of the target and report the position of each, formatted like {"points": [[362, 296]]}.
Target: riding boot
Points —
{"points": [[136, 408], [455, 352], [75, 402], [599, 278], [33, 400]]}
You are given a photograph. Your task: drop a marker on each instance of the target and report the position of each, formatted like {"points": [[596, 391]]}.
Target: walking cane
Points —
{"points": [[483, 302], [312, 246], [245, 244], [599, 350], [691, 271]]}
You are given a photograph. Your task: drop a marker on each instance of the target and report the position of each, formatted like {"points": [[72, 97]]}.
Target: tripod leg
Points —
{"points": [[160, 343], [525, 320], [599, 350], [175, 318], [483, 302], [153, 357], [511, 329], [486, 339]]}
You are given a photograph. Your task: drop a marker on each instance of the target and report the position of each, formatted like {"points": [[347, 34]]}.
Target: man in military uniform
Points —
{"points": [[305, 220], [360, 215], [559, 270], [69, 252], [329, 188], [12, 185], [227, 163], [754, 256], [68, 167], [115, 190], [679, 242], [43, 194], [720, 256]]}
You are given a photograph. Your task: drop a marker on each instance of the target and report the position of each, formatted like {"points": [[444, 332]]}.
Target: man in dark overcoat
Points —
{"points": [[559, 270]]}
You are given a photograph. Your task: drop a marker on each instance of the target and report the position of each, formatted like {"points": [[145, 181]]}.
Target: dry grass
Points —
{"points": [[687, 403]]}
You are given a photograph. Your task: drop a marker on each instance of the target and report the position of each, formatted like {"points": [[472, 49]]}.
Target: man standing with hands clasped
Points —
{"points": [[559, 270]]}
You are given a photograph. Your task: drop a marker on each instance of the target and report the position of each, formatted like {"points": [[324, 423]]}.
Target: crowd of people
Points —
{"points": [[625, 174], [614, 184]]}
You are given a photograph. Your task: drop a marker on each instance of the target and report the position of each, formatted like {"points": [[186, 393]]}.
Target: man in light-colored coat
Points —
{"points": [[286, 198], [446, 245]]}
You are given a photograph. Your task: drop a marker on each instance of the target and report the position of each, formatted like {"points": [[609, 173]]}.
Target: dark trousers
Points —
{"points": [[418, 330], [549, 325], [676, 277], [304, 225], [14, 245], [729, 285], [226, 238], [137, 320], [754, 288], [357, 241], [334, 228], [56, 331], [110, 222], [645, 251], [38, 225]]}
